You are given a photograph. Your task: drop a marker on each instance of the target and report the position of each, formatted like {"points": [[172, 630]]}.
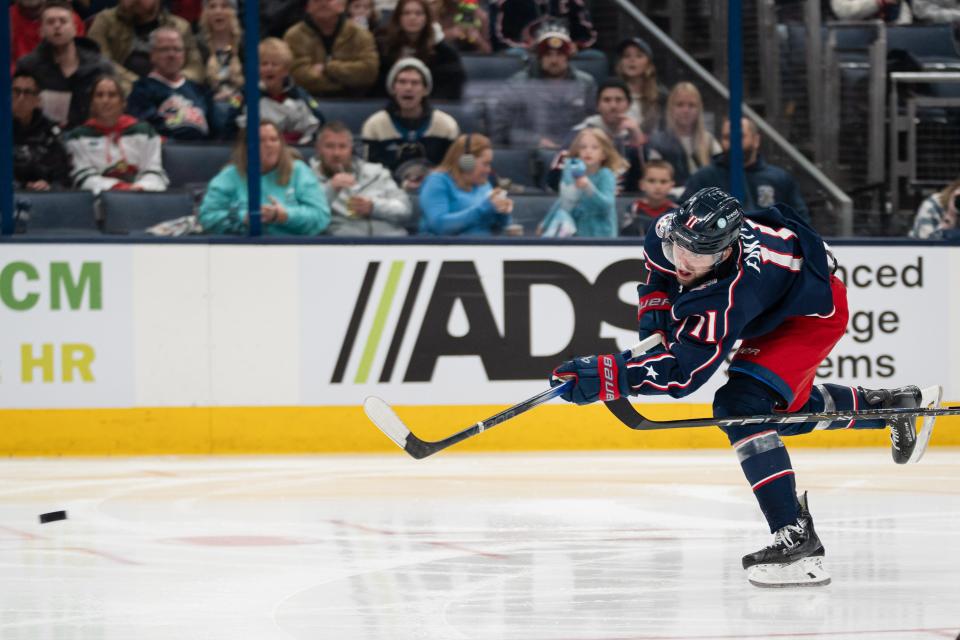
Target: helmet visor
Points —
{"points": [[688, 260]]}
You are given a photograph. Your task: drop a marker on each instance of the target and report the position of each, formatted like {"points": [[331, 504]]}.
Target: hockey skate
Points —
{"points": [[906, 444], [795, 559]]}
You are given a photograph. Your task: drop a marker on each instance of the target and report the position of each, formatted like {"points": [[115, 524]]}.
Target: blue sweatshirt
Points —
{"points": [[595, 212], [224, 206], [449, 211]]}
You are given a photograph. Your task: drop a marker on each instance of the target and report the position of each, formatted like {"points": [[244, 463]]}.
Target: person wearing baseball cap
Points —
{"points": [[634, 65]]}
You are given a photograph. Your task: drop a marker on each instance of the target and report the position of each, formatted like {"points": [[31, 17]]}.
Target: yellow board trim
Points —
{"points": [[238, 430]]}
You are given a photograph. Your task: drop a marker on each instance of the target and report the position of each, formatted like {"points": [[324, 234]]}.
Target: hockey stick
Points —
{"points": [[628, 415], [387, 420]]}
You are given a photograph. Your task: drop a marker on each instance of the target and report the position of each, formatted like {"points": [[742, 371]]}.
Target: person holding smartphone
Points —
{"points": [[937, 215]]}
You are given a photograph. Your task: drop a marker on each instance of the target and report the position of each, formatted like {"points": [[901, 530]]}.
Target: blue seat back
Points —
{"points": [[60, 212], [352, 113], [514, 165], [191, 165], [490, 67], [135, 211]]}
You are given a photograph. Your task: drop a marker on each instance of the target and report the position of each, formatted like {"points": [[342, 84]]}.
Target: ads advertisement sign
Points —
{"points": [[66, 326], [486, 324]]}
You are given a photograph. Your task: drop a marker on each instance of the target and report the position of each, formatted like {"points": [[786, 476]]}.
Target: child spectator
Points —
{"points": [[684, 140], [635, 67], [220, 44], [364, 199], [409, 136], [937, 216], [294, 111], [173, 105], [332, 55], [458, 199], [586, 206], [364, 13], [123, 34], [64, 66], [25, 26], [292, 202], [113, 151], [410, 34], [39, 159], [655, 185]]}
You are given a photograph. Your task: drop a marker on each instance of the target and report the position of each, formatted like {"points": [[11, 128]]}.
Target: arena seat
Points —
{"points": [[466, 113], [192, 165], [135, 211], [514, 165], [592, 61], [490, 67], [529, 210], [352, 113], [933, 45], [59, 213]]}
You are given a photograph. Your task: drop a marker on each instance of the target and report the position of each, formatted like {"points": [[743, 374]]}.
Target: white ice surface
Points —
{"points": [[592, 546]]}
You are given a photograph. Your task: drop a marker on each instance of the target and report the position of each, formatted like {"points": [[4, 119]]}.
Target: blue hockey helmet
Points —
{"points": [[707, 223]]}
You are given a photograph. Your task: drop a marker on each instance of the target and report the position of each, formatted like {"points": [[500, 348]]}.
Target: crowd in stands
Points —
{"points": [[101, 86]]}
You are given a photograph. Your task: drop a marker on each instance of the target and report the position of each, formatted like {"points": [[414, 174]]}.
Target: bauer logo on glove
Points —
{"points": [[594, 378]]}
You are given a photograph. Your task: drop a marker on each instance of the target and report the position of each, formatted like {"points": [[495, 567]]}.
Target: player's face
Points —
{"points": [[481, 172], [656, 184], [335, 149], [590, 151], [692, 267], [270, 147], [57, 26], [633, 63], [413, 19]]}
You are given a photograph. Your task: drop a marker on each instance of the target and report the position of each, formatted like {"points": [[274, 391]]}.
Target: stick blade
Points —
{"points": [[930, 398], [382, 415]]}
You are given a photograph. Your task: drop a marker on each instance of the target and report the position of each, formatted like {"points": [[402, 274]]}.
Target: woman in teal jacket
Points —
{"points": [[292, 202]]}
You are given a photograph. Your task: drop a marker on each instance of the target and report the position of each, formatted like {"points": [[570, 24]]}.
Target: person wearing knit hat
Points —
{"points": [[409, 136], [409, 63]]}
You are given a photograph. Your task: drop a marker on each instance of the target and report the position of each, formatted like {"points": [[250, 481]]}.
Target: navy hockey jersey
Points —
{"points": [[779, 268]]}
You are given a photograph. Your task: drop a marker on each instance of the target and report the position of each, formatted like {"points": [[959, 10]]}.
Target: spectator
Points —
{"points": [[174, 106], [893, 11], [64, 66], [123, 35], [517, 23], [277, 16], [656, 183], [364, 199], [635, 67], [936, 10], [684, 140], [466, 26], [332, 56], [767, 184], [541, 104], [189, 10], [458, 199], [613, 101], [292, 202], [220, 45], [937, 216], [39, 159], [410, 34], [25, 26], [113, 151], [586, 207], [409, 135], [364, 13], [294, 111]]}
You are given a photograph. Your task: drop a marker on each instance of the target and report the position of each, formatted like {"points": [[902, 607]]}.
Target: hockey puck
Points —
{"points": [[53, 516]]}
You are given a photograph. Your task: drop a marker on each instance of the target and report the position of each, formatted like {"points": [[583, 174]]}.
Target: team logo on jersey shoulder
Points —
{"points": [[663, 224]]}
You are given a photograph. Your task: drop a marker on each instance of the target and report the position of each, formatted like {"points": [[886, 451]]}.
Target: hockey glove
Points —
{"points": [[594, 378], [653, 315]]}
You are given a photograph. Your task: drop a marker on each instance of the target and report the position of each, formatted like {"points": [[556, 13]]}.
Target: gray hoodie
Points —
{"points": [[391, 204]]}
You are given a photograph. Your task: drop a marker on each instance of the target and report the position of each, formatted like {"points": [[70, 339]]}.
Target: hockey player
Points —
{"points": [[715, 276]]}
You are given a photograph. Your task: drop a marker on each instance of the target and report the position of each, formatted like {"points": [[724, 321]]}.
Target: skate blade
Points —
{"points": [[929, 399], [806, 572]]}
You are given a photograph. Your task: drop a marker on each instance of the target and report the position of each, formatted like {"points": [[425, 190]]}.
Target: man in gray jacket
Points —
{"points": [[364, 199], [540, 104]]}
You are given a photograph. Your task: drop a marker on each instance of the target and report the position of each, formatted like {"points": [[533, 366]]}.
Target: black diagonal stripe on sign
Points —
{"points": [[403, 321], [344, 358]]}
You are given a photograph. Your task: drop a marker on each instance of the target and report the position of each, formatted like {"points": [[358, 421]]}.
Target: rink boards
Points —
{"points": [[168, 348]]}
